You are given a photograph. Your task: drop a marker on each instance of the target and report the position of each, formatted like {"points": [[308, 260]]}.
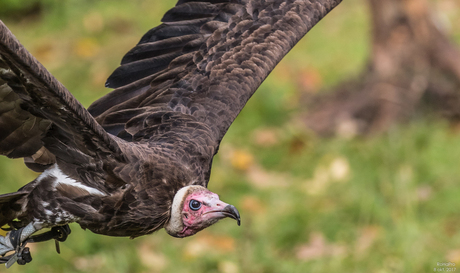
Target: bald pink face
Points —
{"points": [[202, 209]]}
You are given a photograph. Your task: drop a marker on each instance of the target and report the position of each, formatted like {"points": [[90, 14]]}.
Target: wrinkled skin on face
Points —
{"points": [[202, 209]]}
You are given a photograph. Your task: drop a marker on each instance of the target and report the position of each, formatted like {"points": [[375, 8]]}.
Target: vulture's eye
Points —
{"points": [[194, 205]]}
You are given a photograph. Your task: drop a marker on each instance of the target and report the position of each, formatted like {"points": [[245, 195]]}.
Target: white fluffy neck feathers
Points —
{"points": [[175, 225]]}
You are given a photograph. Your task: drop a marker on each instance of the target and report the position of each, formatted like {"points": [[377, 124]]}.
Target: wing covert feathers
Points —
{"points": [[39, 101], [203, 64], [179, 89], [177, 93]]}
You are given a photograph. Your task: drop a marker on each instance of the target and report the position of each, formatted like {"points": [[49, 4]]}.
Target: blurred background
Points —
{"points": [[345, 159]]}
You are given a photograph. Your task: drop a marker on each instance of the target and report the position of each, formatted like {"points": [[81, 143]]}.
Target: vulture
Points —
{"points": [[139, 158]]}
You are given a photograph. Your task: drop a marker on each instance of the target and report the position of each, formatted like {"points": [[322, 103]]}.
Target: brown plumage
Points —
{"points": [[117, 167]]}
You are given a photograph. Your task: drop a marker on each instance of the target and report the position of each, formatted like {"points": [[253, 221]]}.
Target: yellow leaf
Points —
{"points": [[86, 47], [242, 160]]}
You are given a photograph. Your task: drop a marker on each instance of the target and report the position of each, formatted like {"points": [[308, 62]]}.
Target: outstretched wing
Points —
{"points": [[39, 119], [188, 79]]}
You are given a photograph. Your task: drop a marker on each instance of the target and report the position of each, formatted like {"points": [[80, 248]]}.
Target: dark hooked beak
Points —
{"points": [[219, 210], [232, 212]]}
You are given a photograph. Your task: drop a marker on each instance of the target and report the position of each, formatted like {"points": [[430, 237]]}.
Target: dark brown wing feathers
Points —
{"points": [[177, 92], [181, 86], [20, 131], [43, 101], [228, 49]]}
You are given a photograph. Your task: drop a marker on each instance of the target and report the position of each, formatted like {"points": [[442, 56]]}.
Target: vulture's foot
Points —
{"points": [[17, 239]]}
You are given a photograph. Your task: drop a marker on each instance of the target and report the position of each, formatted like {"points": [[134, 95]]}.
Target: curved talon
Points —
{"points": [[24, 256], [59, 233], [62, 233], [15, 241]]}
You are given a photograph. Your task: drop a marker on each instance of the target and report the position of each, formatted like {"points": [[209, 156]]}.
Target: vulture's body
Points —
{"points": [[139, 158]]}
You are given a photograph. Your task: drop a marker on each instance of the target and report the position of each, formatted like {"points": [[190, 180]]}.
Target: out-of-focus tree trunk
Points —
{"points": [[412, 66]]}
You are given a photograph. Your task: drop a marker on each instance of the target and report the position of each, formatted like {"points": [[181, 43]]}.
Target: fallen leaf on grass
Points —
{"points": [[207, 243], [120, 25], [89, 263], [451, 225], [265, 137], [453, 256], [309, 80], [424, 193], [319, 248], [367, 237], [86, 47], [338, 170], [241, 160], [252, 204], [296, 144], [228, 267], [153, 260], [262, 179], [348, 127]]}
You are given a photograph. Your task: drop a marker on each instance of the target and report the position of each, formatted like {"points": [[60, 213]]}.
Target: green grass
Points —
{"points": [[383, 204]]}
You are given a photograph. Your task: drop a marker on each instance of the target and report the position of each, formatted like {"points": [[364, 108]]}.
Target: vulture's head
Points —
{"points": [[195, 208]]}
